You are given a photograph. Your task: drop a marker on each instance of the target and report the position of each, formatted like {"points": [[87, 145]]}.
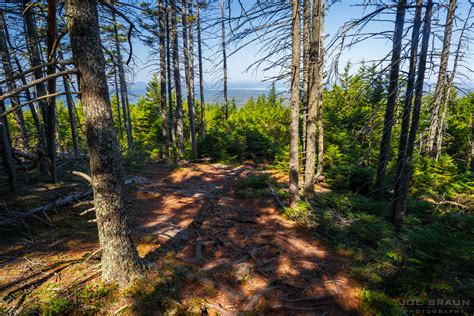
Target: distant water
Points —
{"points": [[241, 95]]}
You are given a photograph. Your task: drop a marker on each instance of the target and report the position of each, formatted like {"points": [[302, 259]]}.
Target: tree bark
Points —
{"points": [[201, 74], [320, 117], [407, 107], [172, 124], [449, 85], [440, 90], [313, 85], [295, 98], [189, 76], [120, 261], [224, 59], [50, 122], [163, 104], [392, 99], [306, 65], [399, 208], [177, 82]]}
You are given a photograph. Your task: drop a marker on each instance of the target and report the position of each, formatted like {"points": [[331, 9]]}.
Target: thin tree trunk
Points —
{"points": [[295, 98], [70, 107], [15, 101], [449, 85], [117, 92], [163, 104], [224, 59], [50, 122], [120, 260], [5, 148], [392, 99], [314, 82], [407, 107], [320, 118], [123, 86], [201, 74], [440, 89], [189, 77], [306, 65], [172, 124], [177, 82], [399, 209], [35, 60]]}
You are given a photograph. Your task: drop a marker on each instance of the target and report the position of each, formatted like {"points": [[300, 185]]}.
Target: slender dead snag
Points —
{"points": [[407, 106], [295, 106], [224, 59], [440, 90], [172, 123], [187, 60], [177, 82], [201, 74], [392, 99], [399, 209], [163, 104]]}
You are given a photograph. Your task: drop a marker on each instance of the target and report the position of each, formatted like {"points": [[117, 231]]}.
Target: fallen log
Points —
{"points": [[58, 203]]}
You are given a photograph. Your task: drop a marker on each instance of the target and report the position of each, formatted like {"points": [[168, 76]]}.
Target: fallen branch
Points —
{"points": [[277, 199], [58, 203]]}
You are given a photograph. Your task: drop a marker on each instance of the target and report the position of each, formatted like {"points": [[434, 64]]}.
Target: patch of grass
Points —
{"points": [[377, 303], [254, 186]]}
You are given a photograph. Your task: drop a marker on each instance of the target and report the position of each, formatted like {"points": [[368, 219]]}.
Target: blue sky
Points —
{"points": [[338, 14]]}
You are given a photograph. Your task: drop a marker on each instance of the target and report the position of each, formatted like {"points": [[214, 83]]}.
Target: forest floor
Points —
{"points": [[208, 250]]}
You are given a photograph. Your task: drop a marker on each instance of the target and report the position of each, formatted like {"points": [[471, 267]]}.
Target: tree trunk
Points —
{"points": [[5, 148], [35, 59], [117, 92], [189, 77], [177, 82], [320, 118], [120, 261], [201, 74], [70, 106], [224, 59], [50, 122], [172, 124], [449, 85], [295, 98], [407, 107], [314, 82], [440, 90], [399, 209], [306, 65], [392, 99], [123, 86], [163, 104], [15, 100]]}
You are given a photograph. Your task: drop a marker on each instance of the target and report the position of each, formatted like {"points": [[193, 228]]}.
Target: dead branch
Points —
{"points": [[59, 203], [34, 83], [82, 175], [32, 69], [277, 199]]}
